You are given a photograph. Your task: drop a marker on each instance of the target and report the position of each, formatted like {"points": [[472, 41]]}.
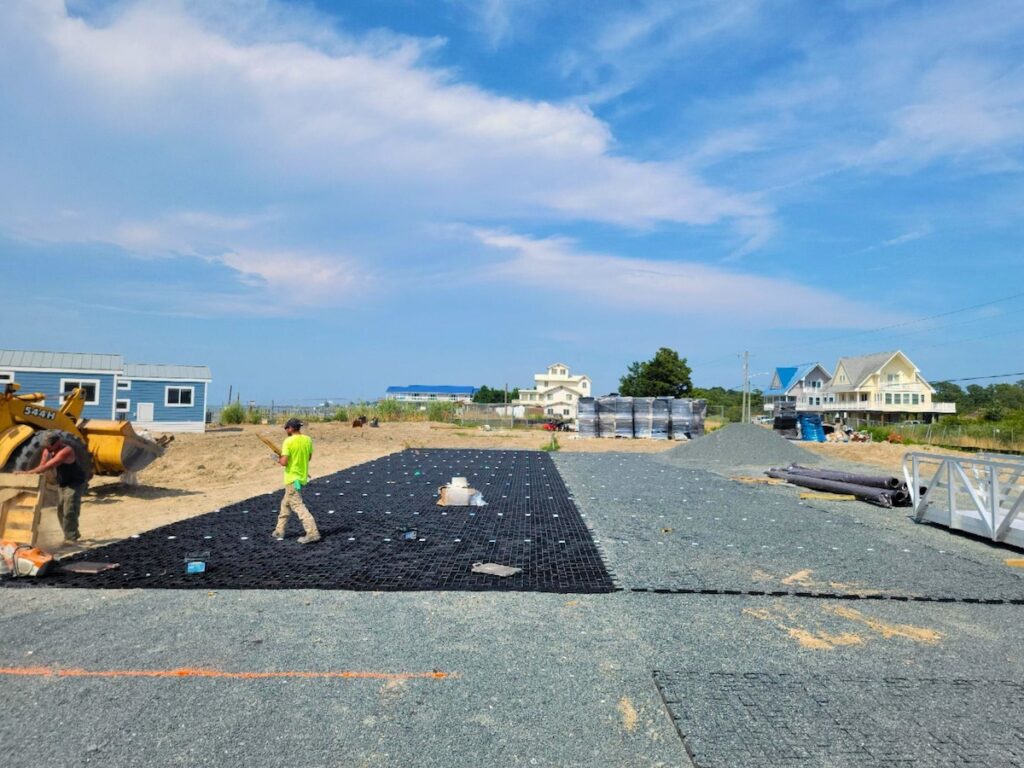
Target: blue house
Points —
{"points": [[425, 393], [803, 385], [166, 398]]}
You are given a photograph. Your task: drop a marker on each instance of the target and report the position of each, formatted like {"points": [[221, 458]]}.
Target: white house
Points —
{"points": [[557, 391]]}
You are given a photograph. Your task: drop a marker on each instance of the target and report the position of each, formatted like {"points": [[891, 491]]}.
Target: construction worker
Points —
{"points": [[71, 482], [296, 451]]}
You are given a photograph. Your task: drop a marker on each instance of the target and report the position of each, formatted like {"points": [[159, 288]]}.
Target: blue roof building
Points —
{"points": [[800, 384], [425, 393]]}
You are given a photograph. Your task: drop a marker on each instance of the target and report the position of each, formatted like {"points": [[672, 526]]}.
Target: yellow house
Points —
{"points": [[884, 387], [556, 391]]}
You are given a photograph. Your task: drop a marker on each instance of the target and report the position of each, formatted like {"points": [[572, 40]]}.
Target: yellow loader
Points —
{"points": [[102, 447]]}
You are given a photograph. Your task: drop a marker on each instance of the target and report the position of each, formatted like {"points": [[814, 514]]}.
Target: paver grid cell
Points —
{"points": [[365, 514], [670, 528], [730, 719]]}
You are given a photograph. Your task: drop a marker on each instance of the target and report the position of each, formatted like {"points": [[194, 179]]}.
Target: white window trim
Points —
{"points": [[167, 396], [96, 382], [127, 408], [6, 377], [124, 385]]}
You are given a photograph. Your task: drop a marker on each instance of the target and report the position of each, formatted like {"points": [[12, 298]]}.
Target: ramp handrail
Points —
{"points": [[982, 494]]}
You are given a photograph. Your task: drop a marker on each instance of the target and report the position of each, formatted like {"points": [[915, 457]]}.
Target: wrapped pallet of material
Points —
{"points": [[700, 412], [624, 417], [587, 417], [606, 416], [643, 416], [660, 415], [681, 419]]}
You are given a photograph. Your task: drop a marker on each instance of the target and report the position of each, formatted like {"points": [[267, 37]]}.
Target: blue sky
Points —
{"points": [[318, 200]]}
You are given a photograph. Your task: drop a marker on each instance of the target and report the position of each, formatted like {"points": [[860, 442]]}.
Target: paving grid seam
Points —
{"points": [[824, 595]]}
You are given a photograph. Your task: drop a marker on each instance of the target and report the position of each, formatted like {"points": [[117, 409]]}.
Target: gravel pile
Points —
{"points": [[738, 445]]}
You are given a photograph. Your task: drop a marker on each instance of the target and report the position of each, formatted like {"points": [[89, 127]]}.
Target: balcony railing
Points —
{"points": [[879, 407]]}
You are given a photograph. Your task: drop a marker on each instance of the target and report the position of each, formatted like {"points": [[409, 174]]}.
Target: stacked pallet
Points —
{"points": [[606, 416], [587, 417], [700, 412], [785, 419], [661, 413], [624, 417], [643, 415], [681, 419]]}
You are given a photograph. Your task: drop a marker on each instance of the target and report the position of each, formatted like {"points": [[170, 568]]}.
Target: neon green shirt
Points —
{"points": [[298, 449]]}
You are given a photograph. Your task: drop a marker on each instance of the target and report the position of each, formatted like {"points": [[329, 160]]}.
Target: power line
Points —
{"points": [[923, 319], [903, 324], [979, 378]]}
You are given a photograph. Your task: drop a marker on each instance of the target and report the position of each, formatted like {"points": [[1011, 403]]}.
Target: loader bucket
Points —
{"points": [[116, 448]]}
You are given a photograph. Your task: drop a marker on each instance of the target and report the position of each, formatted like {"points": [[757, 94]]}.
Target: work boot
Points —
{"points": [[278, 535], [309, 538]]}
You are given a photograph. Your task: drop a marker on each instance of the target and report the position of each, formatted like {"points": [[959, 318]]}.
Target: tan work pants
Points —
{"points": [[292, 502]]}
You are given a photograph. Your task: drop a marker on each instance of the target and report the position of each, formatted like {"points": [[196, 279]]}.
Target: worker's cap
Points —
{"points": [[293, 424]]}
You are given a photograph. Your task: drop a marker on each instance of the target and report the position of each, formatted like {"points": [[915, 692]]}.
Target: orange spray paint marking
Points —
{"points": [[221, 674]]}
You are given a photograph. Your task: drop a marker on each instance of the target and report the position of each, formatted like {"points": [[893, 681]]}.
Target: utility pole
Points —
{"points": [[745, 409], [507, 409]]}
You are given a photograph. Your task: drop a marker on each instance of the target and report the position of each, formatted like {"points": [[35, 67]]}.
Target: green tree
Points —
{"points": [[494, 395], [664, 375], [948, 392]]}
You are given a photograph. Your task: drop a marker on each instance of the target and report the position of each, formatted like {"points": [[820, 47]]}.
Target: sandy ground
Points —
{"points": [[885, 456], [201, 472]]}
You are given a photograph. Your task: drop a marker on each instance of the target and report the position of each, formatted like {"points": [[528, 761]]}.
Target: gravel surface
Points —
{"points": [[685, 528], [537, 679]]}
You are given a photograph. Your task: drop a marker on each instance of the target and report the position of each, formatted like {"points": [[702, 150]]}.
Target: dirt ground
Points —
{"points": [[885, 456], [201, 472]]}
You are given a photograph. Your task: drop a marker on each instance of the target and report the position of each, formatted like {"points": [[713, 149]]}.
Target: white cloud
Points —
{"points": [[667, 287], [373, 119], [296, 280]]}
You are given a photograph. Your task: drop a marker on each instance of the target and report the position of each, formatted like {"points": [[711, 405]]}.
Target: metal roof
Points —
{"points": [[61, 361], [440, 389], [150, 371], [791, 375]]}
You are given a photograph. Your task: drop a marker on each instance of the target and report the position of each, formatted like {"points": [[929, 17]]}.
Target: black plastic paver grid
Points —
{"points": [[733, 720], [364, 514]]}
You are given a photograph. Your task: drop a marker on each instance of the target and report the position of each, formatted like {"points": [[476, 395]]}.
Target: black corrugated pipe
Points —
{"points": [[882, 497], [846, 477]]}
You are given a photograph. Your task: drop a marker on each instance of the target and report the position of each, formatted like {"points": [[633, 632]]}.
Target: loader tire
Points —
{"points": [[27, 455]]}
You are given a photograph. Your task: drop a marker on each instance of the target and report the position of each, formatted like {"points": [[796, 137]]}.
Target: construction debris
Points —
{"points": [[494, 569], [89, 567]]}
